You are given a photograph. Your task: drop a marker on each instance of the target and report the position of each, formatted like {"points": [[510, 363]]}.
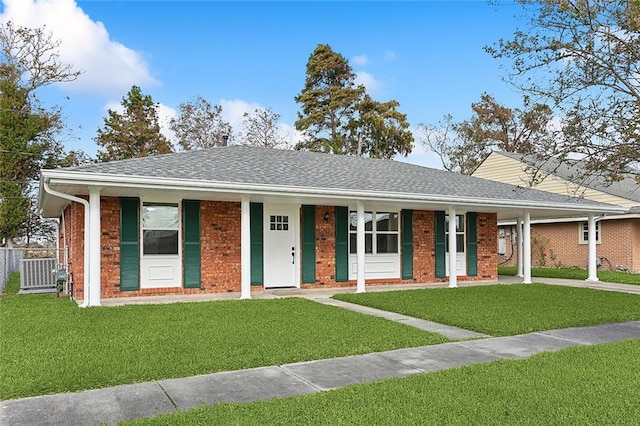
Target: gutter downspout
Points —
{"points": [[85, 203]]}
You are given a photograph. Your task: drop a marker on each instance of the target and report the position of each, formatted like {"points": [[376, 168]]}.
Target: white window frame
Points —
{"points": [[375, 232], [178, 228], [583, 233], [460, 248]]}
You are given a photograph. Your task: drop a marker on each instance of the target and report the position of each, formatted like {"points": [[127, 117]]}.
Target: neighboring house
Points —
{"points": [[249, 219], [563, 241]]}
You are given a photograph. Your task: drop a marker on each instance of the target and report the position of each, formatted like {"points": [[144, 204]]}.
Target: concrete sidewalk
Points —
{"points": [[126, 402]]}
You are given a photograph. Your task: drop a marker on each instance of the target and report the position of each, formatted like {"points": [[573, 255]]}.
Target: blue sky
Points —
{"points": [[427, 55]]}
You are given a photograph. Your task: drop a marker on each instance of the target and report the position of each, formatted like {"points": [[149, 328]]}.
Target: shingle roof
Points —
{"points": [[301, 169], [571, 170]]}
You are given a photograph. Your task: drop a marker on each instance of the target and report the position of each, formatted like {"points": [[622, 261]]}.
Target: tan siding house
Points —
{"points": [[563, 242]]}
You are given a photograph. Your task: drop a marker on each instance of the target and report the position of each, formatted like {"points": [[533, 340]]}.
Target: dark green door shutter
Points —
{"points": [[342, 244], [407, 244], [129, 244], [472, 244], [441, 268], [257, 244], [191, 250], [308, 244]]}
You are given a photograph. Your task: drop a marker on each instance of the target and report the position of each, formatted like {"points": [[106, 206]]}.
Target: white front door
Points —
{"points": [[280, 247]]}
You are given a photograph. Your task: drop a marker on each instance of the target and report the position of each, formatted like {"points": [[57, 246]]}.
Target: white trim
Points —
{"points": [[95, 253], [85, 204], [160, 260], [245, 248], [526, 249], [61, 177], [581, 230], [360, 247], [572, 219], [592, 268], [453, 250]]}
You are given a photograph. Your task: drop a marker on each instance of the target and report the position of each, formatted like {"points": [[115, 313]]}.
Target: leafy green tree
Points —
{"points": [[260, 128], [200, 125], [328, 102], [339, 117], [380, 131], [135, 132], [583, 59], [463, 145], [29, 60]]}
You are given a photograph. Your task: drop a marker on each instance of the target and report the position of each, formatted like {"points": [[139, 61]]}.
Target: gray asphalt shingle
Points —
{"points": [[301, 169]]}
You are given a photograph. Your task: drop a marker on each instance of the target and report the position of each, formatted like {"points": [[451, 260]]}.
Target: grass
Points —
{"points": [[49, 345], [581, 385], [13, 285], [575, 274], [501, 310]]}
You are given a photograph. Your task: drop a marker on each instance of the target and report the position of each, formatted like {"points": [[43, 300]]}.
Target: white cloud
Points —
{"points": [[368, 81], [233, 110], [420, 154], [108, 66], [165, 114], [360, 60]]}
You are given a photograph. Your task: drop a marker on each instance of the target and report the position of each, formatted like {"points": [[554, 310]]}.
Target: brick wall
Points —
{"points": [[423, 250], [556, 244], [221, 251], [74, 234]]}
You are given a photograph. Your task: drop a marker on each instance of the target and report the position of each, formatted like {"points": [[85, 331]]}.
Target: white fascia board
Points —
{"points": [[108, 180], [572, 219]]}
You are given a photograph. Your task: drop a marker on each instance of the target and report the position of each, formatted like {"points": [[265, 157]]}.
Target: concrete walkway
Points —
{"points": [[127, 402]]}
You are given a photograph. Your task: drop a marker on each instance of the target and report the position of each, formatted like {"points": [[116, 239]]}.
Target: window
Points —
{"points": [[380, 232], [459, 233], [279, 223], [583, 235], [160, 224]]}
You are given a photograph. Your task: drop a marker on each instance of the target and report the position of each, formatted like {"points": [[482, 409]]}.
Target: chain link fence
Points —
{"points": [[9, 263]]}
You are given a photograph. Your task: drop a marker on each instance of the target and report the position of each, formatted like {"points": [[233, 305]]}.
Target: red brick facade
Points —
{"points": [[557, 244], [221, 249]]}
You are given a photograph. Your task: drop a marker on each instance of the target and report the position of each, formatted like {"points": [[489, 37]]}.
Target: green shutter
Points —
{"points": [[441, 268], [342, 243], [472, 244], [129, 244], [308, 244], [257, 244], [407, 244], [191, 249]]}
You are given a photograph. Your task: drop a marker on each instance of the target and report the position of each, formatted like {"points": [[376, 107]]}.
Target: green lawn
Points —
{"points": [[49, 345], [594, 385], [501, 310], [575, 274]]}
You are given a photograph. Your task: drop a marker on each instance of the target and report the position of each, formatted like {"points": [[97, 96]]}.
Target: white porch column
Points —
{"points": [[453, 249], [245, 247], [526, 255], [593, 269], [95, 251], [360, 247], [519, 246]]}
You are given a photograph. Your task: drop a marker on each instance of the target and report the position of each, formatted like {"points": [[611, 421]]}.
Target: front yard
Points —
{"points": [[620, 277], [501, 310], [594, 385], [49, 345]]}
